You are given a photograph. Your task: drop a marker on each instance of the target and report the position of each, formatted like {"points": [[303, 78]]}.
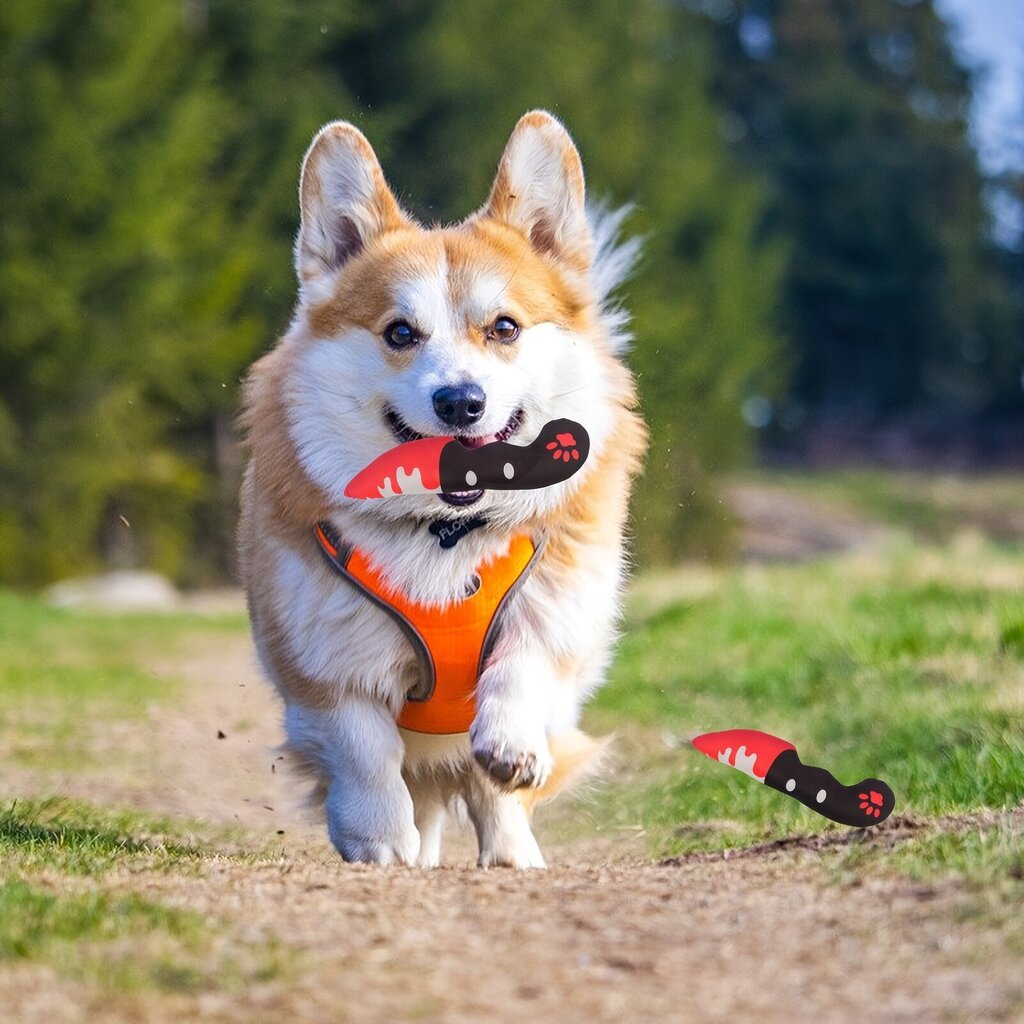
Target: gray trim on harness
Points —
{"points": [[493, 627], [424, 689]]}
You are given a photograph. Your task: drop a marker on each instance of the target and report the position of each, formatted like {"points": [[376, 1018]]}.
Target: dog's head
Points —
{"points": [[485, 330]]}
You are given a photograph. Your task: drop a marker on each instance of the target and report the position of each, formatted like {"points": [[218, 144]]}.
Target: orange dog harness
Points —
{"points": [[453, 643]]}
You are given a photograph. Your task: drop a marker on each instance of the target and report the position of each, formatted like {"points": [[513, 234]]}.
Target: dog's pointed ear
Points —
{"points": [[539, 190], [344, 199]]}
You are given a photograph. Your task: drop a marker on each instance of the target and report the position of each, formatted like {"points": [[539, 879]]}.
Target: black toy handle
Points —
{"points": [[868, 803], [558, 451]]}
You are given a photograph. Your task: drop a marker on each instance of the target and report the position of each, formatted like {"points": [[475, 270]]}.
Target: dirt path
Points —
{"points": [[780, 935]]}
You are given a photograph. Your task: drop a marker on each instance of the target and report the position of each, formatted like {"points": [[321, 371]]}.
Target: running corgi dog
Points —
{"points": [[437, 648]]}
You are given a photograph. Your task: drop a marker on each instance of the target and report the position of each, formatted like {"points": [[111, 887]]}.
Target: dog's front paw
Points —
{"points": [[514, 759], [365, 850], [372, 827]]}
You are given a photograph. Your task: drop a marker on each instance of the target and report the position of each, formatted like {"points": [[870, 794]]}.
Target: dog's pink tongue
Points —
{"points": [[476, 442]]}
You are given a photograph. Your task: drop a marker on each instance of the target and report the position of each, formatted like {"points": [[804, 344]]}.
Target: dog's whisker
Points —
{"points": [[511, 278], [579, 387], [356, 405]]}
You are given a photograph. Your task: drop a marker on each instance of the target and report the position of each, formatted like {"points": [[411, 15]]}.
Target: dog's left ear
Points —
{"points": [[539, 190]]}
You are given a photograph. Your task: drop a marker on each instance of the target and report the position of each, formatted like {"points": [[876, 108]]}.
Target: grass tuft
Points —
{"points": [[77, 838]]}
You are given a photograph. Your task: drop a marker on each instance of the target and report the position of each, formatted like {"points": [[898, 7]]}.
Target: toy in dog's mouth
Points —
{"points": [[405, 433], [448, 465]]}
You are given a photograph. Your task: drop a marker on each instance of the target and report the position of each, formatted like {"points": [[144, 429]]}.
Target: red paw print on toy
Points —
{"points": [[871, 803], [564, 448]]}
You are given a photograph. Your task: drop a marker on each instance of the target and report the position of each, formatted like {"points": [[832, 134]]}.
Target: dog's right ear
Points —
{"points": [[345, 202]]}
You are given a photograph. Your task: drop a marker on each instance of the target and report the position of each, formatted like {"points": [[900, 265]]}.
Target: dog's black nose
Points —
{"points": [[460, 405]]}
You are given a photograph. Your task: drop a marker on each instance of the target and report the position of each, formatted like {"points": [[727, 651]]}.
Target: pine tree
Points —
{"points": [[147, 180], [110, 127]]}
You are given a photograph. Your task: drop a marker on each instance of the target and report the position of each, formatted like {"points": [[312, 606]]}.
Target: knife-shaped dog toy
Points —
{"points": [[774, 762], [436, 465]]}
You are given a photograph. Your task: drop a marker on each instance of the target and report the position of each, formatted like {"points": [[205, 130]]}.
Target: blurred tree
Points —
{"points": [[107, 239], [144, 235], [148, 181], [148, 185], [855, 112]]}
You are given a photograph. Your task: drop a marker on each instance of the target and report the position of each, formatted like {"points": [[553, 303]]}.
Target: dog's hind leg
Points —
{"points": [[502, 825], [429, 812]]}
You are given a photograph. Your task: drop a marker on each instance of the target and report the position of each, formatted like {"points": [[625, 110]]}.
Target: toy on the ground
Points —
{"points": [[445, 465], [774, 762]]}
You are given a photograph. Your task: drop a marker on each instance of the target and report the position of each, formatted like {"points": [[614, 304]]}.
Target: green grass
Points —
{"points": [[908, 664], [987, 854], [76, 838], [121, 942], [60, 671], [56, 908], [870, 668], [66, 900], [35, 921], [48, 652]]}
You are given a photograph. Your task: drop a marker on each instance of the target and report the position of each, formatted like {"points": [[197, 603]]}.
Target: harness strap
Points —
{"points": [[452, 644]]}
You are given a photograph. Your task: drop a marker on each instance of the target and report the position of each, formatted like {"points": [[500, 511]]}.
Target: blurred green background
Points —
{"points": [[820, 270]]}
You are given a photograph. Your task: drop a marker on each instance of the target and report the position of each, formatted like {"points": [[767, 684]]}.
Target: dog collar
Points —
{"points": [[450, 531]]}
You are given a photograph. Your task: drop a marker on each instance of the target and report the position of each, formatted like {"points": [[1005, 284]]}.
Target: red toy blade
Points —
{"points": [[749, 750], [410, 468], [775, 762]]}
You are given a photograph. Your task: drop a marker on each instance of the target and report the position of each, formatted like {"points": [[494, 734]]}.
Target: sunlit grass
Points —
{"points": [[34, 920], [55, 907], [50, 652], [62, 671], [66, 899], [987, 850], [121, 942], [907, 664], [74, 837]]}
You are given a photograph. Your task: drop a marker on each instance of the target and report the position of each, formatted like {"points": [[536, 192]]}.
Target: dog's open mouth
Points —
{"points": [[404, 433]]}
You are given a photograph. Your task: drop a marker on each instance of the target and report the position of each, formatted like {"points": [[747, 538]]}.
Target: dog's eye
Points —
{"points": [[401, 334], [503, 329]]}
